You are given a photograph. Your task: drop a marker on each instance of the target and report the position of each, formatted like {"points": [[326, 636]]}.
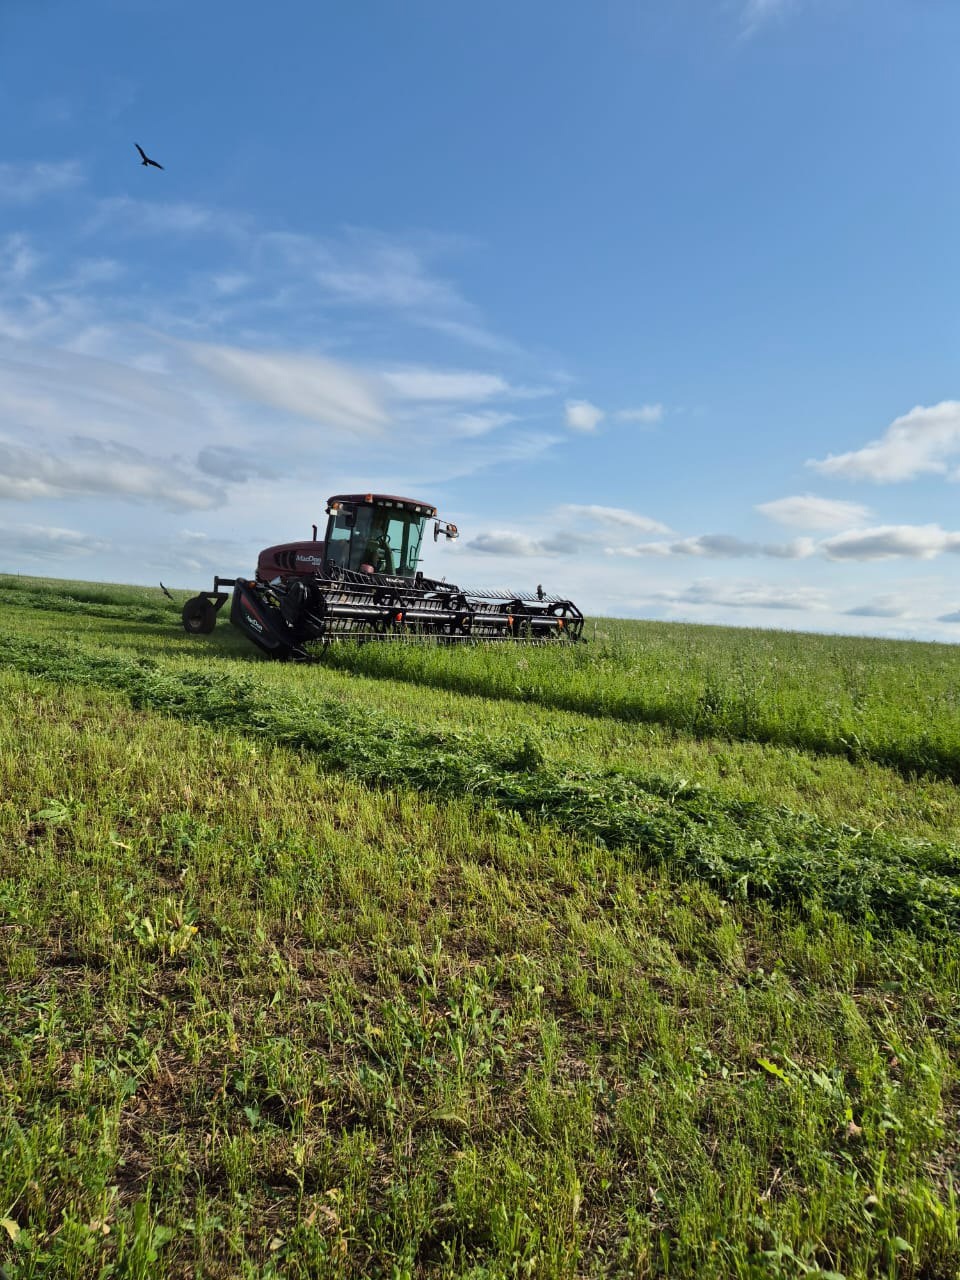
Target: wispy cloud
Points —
{"points": [[882, 542], [809, 512], [593, 524], [647, 414], [890, 542], [197, 552], [382, 273], [443, 384], [719, 546], [747, 595], [368, 270], [506, 543], [321, 390], [575, 528], [615, 517], [756, 12], [95, 468], [481, 423], [229, 463], [45, 542], [583, 415], [17, 258], [880, 607], [127, 216], [27, 183], [921, 442]]}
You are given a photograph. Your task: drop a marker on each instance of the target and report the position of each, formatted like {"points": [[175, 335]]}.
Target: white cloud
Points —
{"points": [[373, 271], [565, 540], [198, 552], [124, 214], [25, 183], [58, 391], [720, 546], [888, 542], [809, 512], [98, 469], [747, 595], [369, 270], [482, 422], [314, 387], [646, 413], [583, 416], [880, 607], [443, 384], [226, 462], [17, 259], [471, 334], [228, 283], [92, 271], [41, 542], [616, 516], [506, 543], [920, 442]]}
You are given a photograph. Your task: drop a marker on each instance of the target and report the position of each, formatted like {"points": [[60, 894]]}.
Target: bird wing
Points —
{"points": [[140, 149], [154, 163]]}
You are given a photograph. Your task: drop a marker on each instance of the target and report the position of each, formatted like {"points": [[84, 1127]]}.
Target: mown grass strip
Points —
{"points": [[265, 1022], [742, 849], [88, 601], [835, 789], [891, 703]]}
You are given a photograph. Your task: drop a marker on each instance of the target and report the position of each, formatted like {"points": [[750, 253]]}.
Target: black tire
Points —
{"points": [[199, 616]]}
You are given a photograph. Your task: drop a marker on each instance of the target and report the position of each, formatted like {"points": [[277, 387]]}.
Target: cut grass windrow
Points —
{"points": [[892, 703], [742, 849], [91, 603]]}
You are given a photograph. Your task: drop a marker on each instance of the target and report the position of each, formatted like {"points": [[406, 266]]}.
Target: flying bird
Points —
{"points": [[145, 158], [165, 592]]}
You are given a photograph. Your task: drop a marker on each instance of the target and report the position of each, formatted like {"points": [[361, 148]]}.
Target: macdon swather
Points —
{"points": [[362, 581]]}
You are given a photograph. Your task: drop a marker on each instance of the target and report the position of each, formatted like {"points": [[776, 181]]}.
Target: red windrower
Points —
{"points": [[362, 581]]}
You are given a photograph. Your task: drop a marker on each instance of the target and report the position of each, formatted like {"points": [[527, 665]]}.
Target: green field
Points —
{"points": [[639, 958]]}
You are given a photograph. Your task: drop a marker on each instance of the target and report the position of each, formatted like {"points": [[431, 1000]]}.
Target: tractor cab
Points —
{"points": [[370, 533], [366, 533], [375, 533]]}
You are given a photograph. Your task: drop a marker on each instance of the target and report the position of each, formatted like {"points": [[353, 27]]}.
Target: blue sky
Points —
{"points": [[657, 300]]}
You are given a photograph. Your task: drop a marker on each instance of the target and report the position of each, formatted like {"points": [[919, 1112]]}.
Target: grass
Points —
{"points": [[312, 974], [741, 848], [892, 702]]}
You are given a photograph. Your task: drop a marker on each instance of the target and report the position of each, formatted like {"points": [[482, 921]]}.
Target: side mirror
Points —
{"points": [[448, 530]]}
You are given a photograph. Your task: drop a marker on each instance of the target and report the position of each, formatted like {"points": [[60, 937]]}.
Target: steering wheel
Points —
{"points": [[386, 553]]}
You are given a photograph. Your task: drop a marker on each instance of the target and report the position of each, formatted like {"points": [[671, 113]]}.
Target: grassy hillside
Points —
{"points": [[634, 959]]}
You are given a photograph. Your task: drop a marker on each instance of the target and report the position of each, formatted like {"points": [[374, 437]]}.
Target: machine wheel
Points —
{"points": [[199, 616]]}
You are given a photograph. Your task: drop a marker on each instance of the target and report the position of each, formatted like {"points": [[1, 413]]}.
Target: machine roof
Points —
{"points": [[382, 497]]}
